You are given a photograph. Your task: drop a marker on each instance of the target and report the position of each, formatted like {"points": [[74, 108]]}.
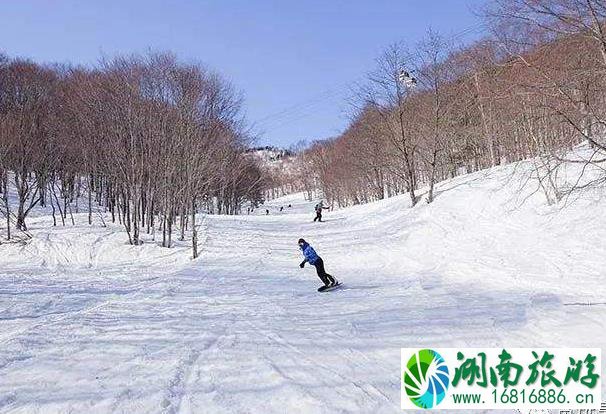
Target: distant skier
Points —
{"points": [[313, 259], [319, 207]]}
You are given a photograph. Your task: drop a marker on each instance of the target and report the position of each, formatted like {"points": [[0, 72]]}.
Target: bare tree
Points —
{"points": [[390, 98]]}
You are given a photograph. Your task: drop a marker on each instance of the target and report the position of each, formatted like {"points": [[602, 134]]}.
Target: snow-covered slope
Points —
{"points": [[273, 159], [91, 324]]}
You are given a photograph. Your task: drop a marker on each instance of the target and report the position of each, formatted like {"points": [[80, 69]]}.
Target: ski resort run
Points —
{"points": [[92, 324], [273, 207]]}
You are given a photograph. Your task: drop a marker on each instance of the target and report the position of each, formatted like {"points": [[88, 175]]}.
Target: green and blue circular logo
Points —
{"points": [[426, 378]]}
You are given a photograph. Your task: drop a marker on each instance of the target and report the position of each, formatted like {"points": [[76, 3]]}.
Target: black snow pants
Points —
{"points": [[324, 277], [318, 216]]}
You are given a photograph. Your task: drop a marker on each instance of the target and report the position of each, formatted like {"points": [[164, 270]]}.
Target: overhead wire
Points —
{"points": [[309, 106]]}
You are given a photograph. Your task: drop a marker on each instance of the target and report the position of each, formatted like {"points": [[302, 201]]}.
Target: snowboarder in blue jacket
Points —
{"points": [[313, 259]]}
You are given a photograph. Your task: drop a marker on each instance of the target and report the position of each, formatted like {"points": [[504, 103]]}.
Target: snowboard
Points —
{"points": [[326, 288]]}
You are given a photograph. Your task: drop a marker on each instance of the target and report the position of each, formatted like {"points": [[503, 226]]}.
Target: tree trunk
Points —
{"points": [[194, 231], [8, 211]]}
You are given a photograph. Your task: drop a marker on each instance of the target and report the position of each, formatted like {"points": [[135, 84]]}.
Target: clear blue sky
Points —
{"points": [[293, 60]]}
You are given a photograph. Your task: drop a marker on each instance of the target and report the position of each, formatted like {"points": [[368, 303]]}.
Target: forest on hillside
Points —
{"points": [[149, 139], [533, 87]]}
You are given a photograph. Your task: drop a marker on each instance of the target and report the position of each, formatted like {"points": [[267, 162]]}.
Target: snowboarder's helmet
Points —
{"points": [[301, 241]]}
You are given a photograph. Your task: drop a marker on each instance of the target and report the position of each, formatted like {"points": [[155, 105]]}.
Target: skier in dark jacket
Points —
{"points": [[319, 207], [312, 258]]}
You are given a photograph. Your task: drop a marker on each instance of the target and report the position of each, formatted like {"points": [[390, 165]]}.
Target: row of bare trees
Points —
{"points": [[148, 139], [535, 88]]}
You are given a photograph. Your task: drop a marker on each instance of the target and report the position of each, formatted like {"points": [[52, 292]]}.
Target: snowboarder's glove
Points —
{"points": [[302, 265]]}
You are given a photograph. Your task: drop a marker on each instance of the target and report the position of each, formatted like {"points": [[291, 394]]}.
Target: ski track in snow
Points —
{"points": [[91, 324]]}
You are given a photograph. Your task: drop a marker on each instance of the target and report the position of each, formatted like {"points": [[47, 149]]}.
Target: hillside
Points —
{"points": [[272, 158], [92, 324]]}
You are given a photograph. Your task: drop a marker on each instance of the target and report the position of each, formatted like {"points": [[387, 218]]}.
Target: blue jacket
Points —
{"points": [[310, 254]]}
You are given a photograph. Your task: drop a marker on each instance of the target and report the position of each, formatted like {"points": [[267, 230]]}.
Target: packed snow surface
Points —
{"points": [[89, 324]]}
